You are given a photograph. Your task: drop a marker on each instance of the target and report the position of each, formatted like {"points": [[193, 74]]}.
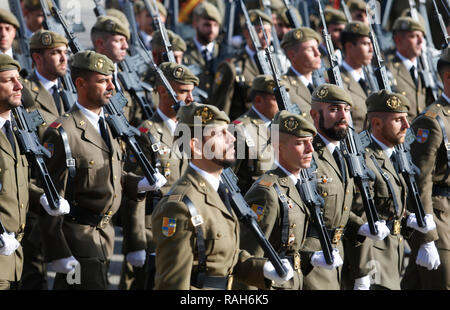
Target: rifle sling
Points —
{"points": [[70, 163], [284, 220], [446, 145]]}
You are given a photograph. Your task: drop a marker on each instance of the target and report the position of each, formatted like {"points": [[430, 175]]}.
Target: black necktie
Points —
{"points": [[340, 162], [56, 98], [364, 86], [412, 71], [394, 161], [104, 132], [224, 196], [9, 135], [311, 88]]}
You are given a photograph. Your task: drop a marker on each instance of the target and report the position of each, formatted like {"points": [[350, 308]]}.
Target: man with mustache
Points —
{"points": [[330, 110], [388, 125], [194, 226], [92, 180]]}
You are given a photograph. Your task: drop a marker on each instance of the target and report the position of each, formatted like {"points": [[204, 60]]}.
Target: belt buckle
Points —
{"points": [[396, 227], [297, 261], [338, 232], [105, 220], [230, 282]]}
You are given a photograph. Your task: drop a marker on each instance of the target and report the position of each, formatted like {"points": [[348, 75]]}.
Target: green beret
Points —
{"points": [[255, 15], [139, 6], [407, 24], [118, 14], [46, 39], [264, 83], [111, 25], [208, 11], [357, 27], [385, 101], [92, 61], [7, 63], [32, 5], [331, 93], [293, 124], [299, 35], [333, 16], [196, 114], [355, 5], [175, 40], [178, 73], [8, 18], [282, 14]]}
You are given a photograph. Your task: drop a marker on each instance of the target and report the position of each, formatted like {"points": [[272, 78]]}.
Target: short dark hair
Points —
{"points": [[76, 73], [442, 67], [349, 37]]}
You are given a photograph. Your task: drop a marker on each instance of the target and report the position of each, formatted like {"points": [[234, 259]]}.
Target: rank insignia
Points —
{"points": [[422, 135], [50, 147], [168, 226], [259, 210]]}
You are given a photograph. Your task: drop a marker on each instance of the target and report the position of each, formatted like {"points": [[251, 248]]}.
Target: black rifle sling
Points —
{"points": [[70, 163], [284, 220], [446, 145]]}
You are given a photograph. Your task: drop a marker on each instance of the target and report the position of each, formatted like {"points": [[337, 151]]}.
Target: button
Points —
{"points": [[293, 225], [115, 177], [21, 205], [115, 195], [345, 208], [219, 235], [324, 194], [91, 162]]}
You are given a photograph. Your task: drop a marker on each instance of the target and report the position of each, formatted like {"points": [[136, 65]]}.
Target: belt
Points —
{"points": [[335, 234], [294, 260], [211, 282], [394, 226], [440, 190], [86, 217]]}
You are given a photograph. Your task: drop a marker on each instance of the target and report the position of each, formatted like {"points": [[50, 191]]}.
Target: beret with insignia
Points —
{"points": [[8, 18], [407, 23], [385, 101], [178, 73], [139, 7], [254, 18], [330, 93], [196, 114], [299, 35], [111, 25], [7, 63], [264, 83], [293, 124], [356, 5], [357, 27], [92, 61], [118, 14], [47, 39], [207, 10], [333, 16], [177, 42]]}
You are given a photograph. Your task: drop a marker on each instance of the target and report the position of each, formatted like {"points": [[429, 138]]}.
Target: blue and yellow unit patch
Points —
{"points": [[422, 135], [50, 147], [169, 226], [259, 210]]}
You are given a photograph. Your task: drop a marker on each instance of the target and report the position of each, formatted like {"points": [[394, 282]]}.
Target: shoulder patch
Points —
{"points": [[55, 125], [265, 183], [422, 135], [431, 114], [259, 210], [169, 226]]}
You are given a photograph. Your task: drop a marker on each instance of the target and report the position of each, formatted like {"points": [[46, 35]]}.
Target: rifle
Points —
{"points": [[408, 170], [304, 12], [260, 58], [226, 47], [248, 218], [308, 185], [121, 128], [99, 9], [442, 25], [425, 60], [386, 42], [24, 57], [168, 53], [353, 150], [291, 14], [275, 40], [24, 127]]}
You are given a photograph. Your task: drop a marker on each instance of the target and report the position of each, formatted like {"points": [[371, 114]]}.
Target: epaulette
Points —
{"points": [[431, 114], [55, 125], [265, 183], [175, 198], [144, 130]]}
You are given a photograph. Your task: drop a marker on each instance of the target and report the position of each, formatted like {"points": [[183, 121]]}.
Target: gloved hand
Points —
{"points": [[428, 219], [428, 256], [144, 186], [362, 283], [383, 230], [10, 244], [137, 258], [64, 265], [271, 274], [64, 207], [318, 260]]}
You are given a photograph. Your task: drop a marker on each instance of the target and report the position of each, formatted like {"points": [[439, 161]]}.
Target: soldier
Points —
{"points": [[330, 111], [203, 48], [158, 48], [357, 10], [301, 48], [281, 21], [8, 27], [234, 76], [408, 37], [93, 184], [206, 255], [157, 134], [282, 215], [387, 115], [33, 15], [145, 21], [254, 130], [336, 21], [41, 91], [429, 261], [358, 52]]}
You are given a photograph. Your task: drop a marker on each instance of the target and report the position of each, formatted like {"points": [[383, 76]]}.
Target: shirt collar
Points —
{"points": [[201, 47], [302, 78], [3, 121], [293, 178], [171, 124], [8, 52], [408, 63], [355, 74], [387, 150], [91, 116], [330, 146], [47, 83], [266, 121], [212, 180]]}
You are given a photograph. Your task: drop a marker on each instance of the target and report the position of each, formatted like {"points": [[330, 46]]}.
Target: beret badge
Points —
{"points": [[205, 114]]}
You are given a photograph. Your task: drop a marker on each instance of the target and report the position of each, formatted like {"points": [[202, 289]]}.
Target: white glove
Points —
{"points": [[64, 207], [10, 244], [428, 256], [136, 258], [64, 265], [318, 260], [271, 274], [362, 284], [144, 186], [383, 230], [428, 219]]}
